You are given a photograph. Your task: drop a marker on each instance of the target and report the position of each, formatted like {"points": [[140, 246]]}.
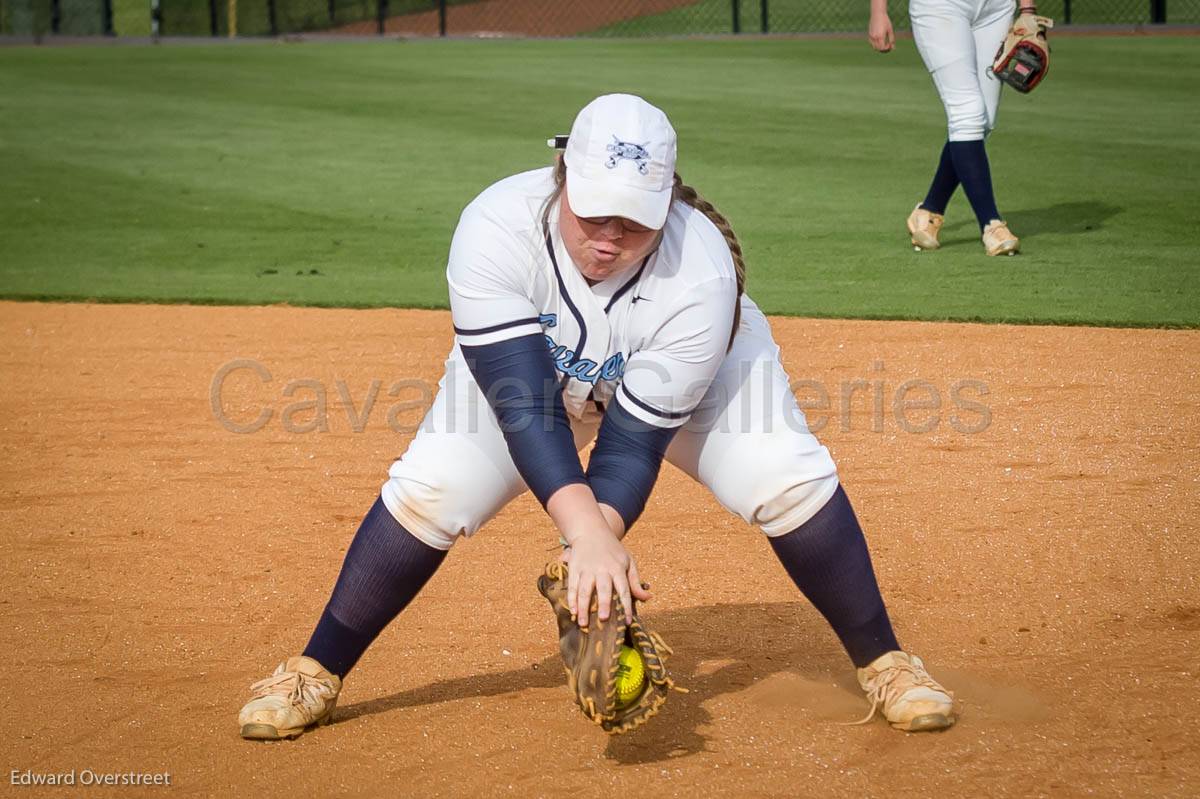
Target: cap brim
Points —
{"points": [[606, 198]]}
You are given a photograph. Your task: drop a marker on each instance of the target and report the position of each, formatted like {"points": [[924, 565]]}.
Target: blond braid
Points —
{"points": [[688, 195], [560, 180]]}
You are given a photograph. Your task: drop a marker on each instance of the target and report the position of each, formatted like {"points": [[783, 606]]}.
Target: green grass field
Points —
{"points": [[333, 174]]}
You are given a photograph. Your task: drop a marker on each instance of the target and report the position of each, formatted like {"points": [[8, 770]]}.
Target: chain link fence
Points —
{"points": [[511, 17]]}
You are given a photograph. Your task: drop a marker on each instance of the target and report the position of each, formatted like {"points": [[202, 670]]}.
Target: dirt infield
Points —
{"points": [[1037, 545]]}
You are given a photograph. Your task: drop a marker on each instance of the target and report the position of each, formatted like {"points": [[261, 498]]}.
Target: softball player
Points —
{"points": [[958, 40], [602, 298]]}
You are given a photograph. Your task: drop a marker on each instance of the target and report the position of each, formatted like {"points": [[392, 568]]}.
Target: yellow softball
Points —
{"points": [[631, 676]]}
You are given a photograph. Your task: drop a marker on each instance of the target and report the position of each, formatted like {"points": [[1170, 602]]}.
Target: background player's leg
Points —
{"points": [[945, 181], [989, 34], [971, 165], [988, 31], [750, 445], [945, 39], [961, 93]]}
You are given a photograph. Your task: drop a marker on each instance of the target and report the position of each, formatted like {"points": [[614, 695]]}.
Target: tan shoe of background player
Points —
{"points": [[924, 226], [910, 699], [999, 240], [298, 695]]}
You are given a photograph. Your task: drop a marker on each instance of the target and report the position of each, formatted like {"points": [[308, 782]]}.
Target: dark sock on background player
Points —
{"points": [[385, 567], [945, 181], [827, 559], [971, 166]]}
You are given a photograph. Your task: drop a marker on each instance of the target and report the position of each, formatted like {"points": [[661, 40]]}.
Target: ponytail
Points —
{"points": [[690, 196]]}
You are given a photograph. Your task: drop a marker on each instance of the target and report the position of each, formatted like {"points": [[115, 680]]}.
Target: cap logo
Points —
{"points": [[624, 150]]}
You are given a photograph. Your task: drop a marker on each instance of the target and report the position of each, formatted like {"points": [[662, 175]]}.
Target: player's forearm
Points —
{"points": [[575, 512], [626, 460], [615, 523], [520, 384], [878, 7]]}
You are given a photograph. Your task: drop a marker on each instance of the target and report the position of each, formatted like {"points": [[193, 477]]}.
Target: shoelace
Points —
{"points": [[883, 690], [300, 689]]}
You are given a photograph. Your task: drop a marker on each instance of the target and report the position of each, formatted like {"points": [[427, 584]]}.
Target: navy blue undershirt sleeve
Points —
{"points": [[522, 387], [625, 461]]}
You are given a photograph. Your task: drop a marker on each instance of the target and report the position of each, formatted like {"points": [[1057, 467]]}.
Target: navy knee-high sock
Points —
{"points": [[828, 560], [971, 165], [945, 181], [384, 569]]}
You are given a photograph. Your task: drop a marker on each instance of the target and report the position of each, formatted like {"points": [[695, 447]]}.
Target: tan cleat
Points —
{"points": [[298, 695], [910, 699], [925, 227], [999, 240]]}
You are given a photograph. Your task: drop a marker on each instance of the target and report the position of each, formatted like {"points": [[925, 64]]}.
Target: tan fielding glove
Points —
{"points": [[590, 657], [1024, 57]]}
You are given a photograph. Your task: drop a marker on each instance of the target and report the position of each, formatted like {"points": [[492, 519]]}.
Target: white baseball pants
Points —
{"points": [[958, 40]]}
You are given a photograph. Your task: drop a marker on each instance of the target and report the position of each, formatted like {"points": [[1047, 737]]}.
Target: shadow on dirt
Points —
{"points": [[720, 649]]}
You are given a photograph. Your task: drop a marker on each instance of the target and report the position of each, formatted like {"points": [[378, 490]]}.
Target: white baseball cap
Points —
{"points": [[621, 160]]}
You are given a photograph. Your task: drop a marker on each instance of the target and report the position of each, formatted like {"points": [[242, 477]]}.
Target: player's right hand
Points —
{"points": [[881, 33], [600, 563]]}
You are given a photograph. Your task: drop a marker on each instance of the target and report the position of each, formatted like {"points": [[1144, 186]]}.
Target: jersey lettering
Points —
{"points": [[584, 370]]}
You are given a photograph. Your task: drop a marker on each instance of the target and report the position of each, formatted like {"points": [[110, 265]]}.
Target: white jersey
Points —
{"points": [[652, 336], [653, 340]]}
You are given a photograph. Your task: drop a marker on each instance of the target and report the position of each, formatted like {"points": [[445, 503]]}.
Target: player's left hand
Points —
{"points": [[601, 566], [881, 33]]}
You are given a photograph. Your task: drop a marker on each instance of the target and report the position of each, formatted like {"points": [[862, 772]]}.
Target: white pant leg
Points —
{"points": [[989, 33], [748, 441], [457, 472], [957, 40]]}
